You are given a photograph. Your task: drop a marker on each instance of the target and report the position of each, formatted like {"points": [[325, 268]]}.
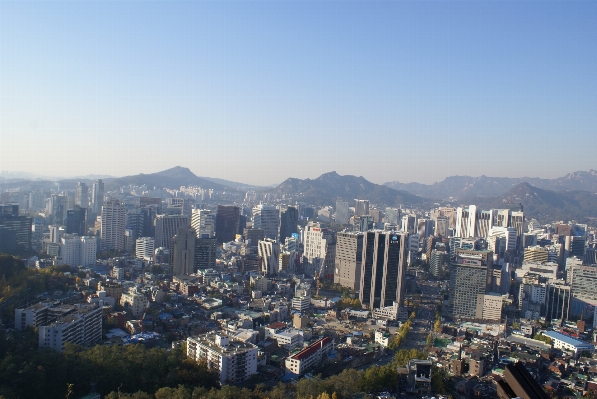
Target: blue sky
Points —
{"points": [[261, 91]]}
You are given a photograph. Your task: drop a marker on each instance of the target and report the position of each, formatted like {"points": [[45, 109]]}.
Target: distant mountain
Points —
{"points": [[171, 178], [467, 186], [543, 205], [233, 184], [325, 189]]}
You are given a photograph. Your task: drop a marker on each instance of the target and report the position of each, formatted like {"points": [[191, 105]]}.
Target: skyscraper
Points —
{"points": [[113, 225], [205, 253], [76, 221], [227, 221], [349, 255], [383, 268], [361, 207], [97, 197], [15, 231], [203, 221], [269, 252], [468, 280], [393, 216], [182, 251], [288, 222], [319, 250], [341, 212], [166, 226], [81, 195], [266, 217]]}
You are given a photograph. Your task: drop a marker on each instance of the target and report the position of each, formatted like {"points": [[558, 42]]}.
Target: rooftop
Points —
{"points": [[567, 339], [305, 353]]}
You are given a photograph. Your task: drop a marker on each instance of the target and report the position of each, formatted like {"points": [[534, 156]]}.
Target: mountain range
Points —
{"points": [[468, 186], [543, 205], [325, 189]]}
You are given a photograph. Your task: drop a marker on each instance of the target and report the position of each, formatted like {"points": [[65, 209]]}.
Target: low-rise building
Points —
{"points": [[310, 357], [235, 361], [288, 338], [301, 303], [564, 342], [134, 301]]}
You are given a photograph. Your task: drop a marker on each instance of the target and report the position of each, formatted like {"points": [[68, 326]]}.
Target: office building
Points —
{"points": [[205, 253], [97, 197], [81, 195], [583, 280], [269, 252], [135, 221], [383, 268], [82, 327], [342, 214], [144, 248], [408, 224], [442, 226], [393, 216], [349, 255], [266, 217], [227, 223], [204, 223], [15, 231], [468, 279], [166, 226], [253, 236], [113, 225], [439, 262], [557, 301], [361, 207], [319, 250], [536, 254], [288, 223], [76, 221], [182, 251]]}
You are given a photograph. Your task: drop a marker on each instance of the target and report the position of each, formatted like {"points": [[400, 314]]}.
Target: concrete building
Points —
{"points": [[301, 303], [82, 327], [468, 279], [492, 307], [40, 314], [166, 227], [144, 248], [134, 301], [383, 268], [269, 252], [113, 224], [205, 253], [569, 344], [288, 338], [235, 361], [319, 252], [182, 251], [81, 195], [349, 255], [310, 357]]}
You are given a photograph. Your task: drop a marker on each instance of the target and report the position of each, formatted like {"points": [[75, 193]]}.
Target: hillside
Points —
{"points": [[171, 178], [468, 186], [543, 205], [325, 189]]}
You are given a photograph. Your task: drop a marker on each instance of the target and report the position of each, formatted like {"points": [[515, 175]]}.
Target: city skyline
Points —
{"points": [[417, 91]]}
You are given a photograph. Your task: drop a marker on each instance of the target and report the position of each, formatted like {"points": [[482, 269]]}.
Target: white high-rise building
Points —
{"points": [[97, 196], [204, 222], [341, 212], [83, 327], [166, 227], [113, 225], [144, 248], [319, 250], [266, 217], [234, 361], [269, 251], [78, 251]]}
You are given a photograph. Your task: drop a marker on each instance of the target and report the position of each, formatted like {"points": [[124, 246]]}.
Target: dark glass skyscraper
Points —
{"points": [[227, 222], [288, 223], [383, 269], [15, 231], [75, 221]]}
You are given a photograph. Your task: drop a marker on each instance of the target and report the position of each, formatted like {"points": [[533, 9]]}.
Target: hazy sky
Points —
{"points": [[261, 91]]}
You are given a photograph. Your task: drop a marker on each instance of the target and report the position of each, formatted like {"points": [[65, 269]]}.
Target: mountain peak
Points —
{"points": [[177, 172]]}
